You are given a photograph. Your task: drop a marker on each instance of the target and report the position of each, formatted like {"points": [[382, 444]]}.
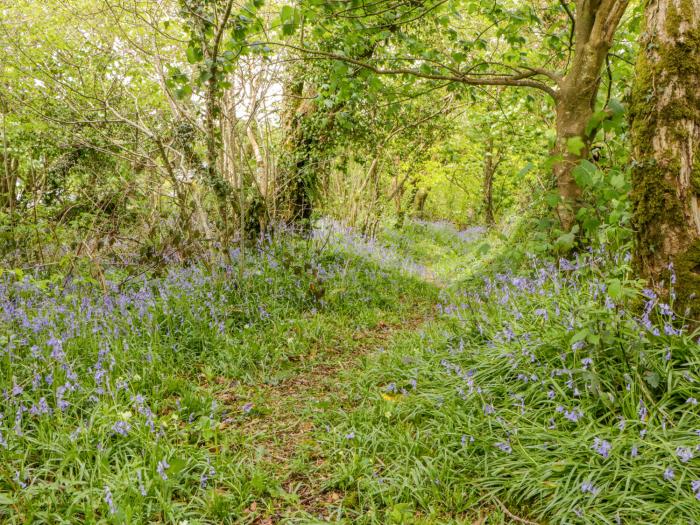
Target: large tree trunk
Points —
{"points": [[665, 113], [594, 28]]}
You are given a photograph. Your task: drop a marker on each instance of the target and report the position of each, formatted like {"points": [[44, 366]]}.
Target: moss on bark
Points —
{"points": [[665, 116]]}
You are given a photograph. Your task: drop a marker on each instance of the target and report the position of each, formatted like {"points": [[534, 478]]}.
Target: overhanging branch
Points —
{"points": [[522, 79]]}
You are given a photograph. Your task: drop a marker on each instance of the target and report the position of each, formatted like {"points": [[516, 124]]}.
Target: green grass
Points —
{"points": [[338, 382]]}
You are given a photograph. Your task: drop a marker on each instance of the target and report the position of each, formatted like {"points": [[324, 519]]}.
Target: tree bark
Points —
{"points": [[491, 161], [593, 27], [665, 115]]}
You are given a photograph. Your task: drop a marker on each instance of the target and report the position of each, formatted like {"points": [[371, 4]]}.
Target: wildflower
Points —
{"points": [[247, 408], [695, 485], [573, 415], [142, 489], [21, 483], [161, 468], [110, 501], [685, 454], [121, 427], [488, 409], [350, 435], [634, 452], [692, 401], [586, 362], [41, 408], [505, 447], [669, 474], [602, 447], [588, 487], [643, 412], [621, 424]]}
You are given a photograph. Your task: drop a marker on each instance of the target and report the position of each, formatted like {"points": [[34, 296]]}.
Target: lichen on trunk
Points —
{"points": [[665, 116]]}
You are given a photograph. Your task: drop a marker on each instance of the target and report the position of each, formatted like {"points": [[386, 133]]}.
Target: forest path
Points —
{"points": [[283, 435]]}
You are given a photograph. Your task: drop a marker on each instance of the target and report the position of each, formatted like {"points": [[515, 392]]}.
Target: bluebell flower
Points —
{"points": [[669, 474], [161, 468], [602, 447], [504, 446], [142, 489], [121, 427], [588, 487], [695, 485], [685, 454], [110, 501]]}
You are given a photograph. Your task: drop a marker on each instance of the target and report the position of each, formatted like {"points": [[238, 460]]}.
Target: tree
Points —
{"points": [[665, 115], [497, 55]]}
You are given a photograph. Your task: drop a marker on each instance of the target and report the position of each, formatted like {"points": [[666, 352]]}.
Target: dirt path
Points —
{"points": [[285, 431]]}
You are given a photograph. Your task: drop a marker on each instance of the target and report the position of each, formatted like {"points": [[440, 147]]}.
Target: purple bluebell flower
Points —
{"points": [[504, 446], [602, 447], [588, 487], [685, 454], [247, 408], [695, 485], [121, 427], [110, 501], [669, 474], [161, 468], [142, 489], [19, 482], [350, 435]]}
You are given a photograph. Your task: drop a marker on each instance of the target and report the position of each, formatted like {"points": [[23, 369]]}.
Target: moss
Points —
{"points": [[658, 210], [695, 174], [687, 266]]}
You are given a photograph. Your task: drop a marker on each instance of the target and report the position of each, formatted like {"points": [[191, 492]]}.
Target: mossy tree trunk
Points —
{"points": [[665, 114]]}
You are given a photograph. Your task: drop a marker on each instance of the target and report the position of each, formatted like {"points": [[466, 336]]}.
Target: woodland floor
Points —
{"points": [[291, 410]]}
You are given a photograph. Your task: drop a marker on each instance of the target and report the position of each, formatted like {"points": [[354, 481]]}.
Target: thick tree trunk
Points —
{"points": [[595, 24], [665, 113]]}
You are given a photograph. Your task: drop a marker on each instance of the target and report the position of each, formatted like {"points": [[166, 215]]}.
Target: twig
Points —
{"points": [[511, 515]]}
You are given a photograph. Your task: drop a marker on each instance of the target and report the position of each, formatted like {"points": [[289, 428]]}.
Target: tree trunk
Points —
{"points": [[665, 114], [491, 161], [594, 28], [421, 197]]}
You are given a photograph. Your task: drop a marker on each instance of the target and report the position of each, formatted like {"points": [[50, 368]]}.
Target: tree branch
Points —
{"points": [[522, 79]]}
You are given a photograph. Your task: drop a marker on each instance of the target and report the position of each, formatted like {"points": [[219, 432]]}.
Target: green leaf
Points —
{"points": [[183, 92], [652, 378], [615, 288], [575, 145], [6, 499], [617, 181], [286, 14], [580, 335], [194, 55], [584, 173], [552, 199]]}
